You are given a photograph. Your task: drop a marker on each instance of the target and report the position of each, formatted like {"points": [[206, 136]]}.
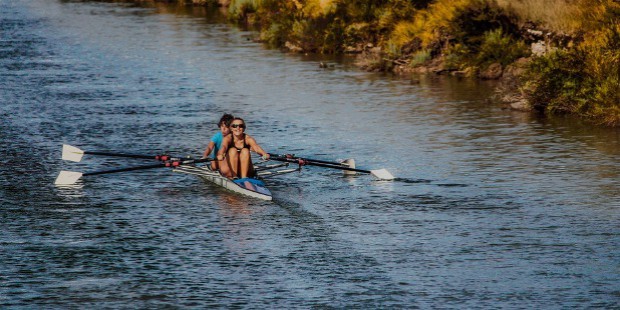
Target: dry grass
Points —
{"points": [[316, 8], [427, 24], [561, 15]]}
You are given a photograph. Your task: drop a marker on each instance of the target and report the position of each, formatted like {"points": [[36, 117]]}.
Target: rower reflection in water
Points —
{"points": [[235, 152]]}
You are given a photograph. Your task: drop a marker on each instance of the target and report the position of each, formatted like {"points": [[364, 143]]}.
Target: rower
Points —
{"points": [[216, 141], [235, 151]]}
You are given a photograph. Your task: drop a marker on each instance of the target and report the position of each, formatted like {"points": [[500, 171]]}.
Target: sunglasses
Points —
{"points": [[237, 126]]}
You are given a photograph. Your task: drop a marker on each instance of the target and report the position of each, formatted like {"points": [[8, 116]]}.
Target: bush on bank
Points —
{"points": [[583, 78], [323, 26]]}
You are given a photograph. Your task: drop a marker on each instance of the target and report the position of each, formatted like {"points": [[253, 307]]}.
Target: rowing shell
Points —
{"points": [[247, 186], [252, 187]]}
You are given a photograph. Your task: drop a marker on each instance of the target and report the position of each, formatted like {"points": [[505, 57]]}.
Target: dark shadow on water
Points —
{"points": [[407, 180], [431, 182]]}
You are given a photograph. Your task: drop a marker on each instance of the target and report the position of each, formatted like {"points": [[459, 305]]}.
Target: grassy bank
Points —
{"points": [[571, 48], [553, 56]]}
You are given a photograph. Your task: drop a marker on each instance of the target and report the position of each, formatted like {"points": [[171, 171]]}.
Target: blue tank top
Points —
{"points": [[217, 139]]}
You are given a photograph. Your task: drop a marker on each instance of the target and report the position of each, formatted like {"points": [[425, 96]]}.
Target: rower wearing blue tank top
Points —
{"points": [[216, 141]]}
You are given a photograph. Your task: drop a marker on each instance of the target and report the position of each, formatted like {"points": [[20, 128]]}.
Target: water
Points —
{"points": [[492, 208]]}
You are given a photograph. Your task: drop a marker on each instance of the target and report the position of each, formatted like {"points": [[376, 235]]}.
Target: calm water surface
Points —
{"points": [[491, 209]]}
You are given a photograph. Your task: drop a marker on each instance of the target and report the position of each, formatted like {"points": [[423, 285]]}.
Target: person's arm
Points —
{"points": [[209, 149], [221, 154], [256, 148]]}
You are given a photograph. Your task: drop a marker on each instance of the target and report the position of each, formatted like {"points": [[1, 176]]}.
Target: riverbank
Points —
{"points": [[550, 56]]}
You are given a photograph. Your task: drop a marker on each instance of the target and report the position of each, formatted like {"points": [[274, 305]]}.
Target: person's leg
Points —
{"points": [[245, 160], [224, 167], [233, 162]]}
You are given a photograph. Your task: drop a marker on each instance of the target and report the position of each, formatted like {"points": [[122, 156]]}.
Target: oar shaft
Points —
{"points": [[312, 162], [316, 160], [171, 164], [73, 153], [126, 169], [121, 155]]}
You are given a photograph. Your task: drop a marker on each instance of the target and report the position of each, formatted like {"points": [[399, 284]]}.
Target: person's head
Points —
{"points": [[224, 123], [237, 125]]}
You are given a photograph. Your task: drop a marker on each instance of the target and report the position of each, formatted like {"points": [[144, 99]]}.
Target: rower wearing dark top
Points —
{"points": [[236, 149]]}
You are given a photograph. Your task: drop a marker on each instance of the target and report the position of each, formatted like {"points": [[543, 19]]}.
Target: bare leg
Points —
{"points": [[224, 168], [245, 161], [233, 162]]}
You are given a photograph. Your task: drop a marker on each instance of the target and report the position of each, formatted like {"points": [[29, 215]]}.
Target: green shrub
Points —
{"points": [[456, 56], [357, 33], [238, 10], [420, 57], [500, 48], [553, 81], [582, 80]]}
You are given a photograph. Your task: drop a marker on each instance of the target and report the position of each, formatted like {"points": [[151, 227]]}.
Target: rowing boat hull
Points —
{"points": [[249, 187]]}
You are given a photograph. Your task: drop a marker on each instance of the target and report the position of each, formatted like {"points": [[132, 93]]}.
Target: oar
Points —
{"points": [[70, 177], [310, 160], [73, 153], [382, 174]]}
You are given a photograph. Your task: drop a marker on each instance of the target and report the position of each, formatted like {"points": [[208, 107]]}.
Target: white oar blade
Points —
{"points": [[71, 153], [382, 174], [351, 164], [67, 177]]}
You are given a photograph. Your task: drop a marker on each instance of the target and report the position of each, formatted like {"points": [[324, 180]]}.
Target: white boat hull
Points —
{"points": [[249, 187]]}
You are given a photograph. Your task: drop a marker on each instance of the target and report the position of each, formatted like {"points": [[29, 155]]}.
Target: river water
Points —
{"points": [[491, 208]]}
